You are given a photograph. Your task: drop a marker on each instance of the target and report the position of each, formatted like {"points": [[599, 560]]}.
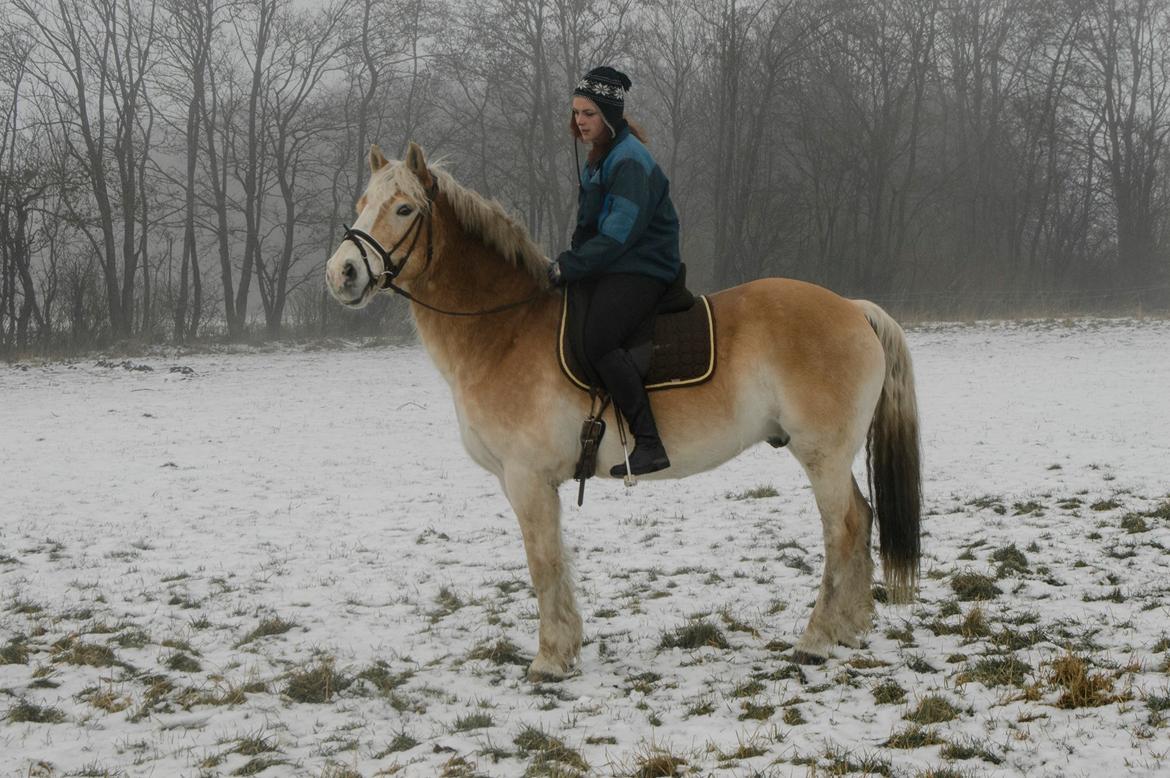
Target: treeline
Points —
{"points": [[176, 169]]}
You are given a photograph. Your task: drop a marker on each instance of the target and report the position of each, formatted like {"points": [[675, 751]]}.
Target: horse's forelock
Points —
{"points": [[396, 178]]}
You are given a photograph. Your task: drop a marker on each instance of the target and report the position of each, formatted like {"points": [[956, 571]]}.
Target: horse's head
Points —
{"points": [[391, 237]]}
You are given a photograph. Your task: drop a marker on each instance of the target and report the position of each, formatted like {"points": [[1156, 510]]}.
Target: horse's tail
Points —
{"points": [[893, 461]]}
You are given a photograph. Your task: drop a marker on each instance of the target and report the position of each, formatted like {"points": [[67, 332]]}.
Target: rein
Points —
{"points": [[391, 271]]}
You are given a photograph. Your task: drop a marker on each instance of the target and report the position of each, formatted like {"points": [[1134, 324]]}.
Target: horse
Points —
{"points": [[796, 362]]}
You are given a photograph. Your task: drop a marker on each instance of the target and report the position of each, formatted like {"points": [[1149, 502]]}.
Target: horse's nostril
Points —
{"points": [[350, 272]]}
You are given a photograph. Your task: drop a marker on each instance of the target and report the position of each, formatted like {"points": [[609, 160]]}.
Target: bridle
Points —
{"points": [[385, 280]]}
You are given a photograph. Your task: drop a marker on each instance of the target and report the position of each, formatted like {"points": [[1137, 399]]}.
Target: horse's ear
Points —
{"points": [[377, 158], [416, 162]]}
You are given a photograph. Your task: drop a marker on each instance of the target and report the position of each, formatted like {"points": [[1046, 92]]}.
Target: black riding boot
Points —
{"points": [[621, 379]]}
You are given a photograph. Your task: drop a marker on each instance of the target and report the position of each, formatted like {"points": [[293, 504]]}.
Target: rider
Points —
{"points": [[626, 242]]}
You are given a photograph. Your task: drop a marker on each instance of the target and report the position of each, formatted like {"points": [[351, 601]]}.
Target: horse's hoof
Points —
{"points": [[805, 658], [543, 671]]}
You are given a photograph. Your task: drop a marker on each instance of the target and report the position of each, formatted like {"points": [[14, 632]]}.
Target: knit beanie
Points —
{"points": [[606, 87]]}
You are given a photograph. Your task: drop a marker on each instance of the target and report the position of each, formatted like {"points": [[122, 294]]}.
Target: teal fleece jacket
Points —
{"points": [[626, 222]]}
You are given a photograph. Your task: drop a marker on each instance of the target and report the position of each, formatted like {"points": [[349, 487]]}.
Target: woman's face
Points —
{"points": [[589, 121]]}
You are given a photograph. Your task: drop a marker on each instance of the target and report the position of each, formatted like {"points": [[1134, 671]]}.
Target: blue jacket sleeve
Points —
{"points": [[625, 214]]}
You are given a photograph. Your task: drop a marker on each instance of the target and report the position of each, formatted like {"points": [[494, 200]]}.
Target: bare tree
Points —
{"points": [[307, 45], [93, 62], [1126, 48]]}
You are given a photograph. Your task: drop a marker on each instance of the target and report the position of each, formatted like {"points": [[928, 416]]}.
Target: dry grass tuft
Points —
{"points": [[974, 586], [698, 634], [933, 709], [1080, 687], [25, 711], [317, 684]]}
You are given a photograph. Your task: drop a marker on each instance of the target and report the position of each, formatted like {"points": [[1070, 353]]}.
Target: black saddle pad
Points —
{"points": [[673, 348]]}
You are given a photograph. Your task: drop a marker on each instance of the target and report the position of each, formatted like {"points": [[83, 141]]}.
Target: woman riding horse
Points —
{"points": [[796, 362], [625, 246]]}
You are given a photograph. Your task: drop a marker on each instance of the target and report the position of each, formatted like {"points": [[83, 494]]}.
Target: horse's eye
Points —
{"points": [[404, 210]]}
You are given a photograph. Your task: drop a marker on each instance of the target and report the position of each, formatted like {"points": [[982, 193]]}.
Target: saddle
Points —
{"points": [[673, 348]]}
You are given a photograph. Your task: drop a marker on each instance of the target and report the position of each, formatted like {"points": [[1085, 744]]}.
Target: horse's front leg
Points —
{"points": [[538, 507]]}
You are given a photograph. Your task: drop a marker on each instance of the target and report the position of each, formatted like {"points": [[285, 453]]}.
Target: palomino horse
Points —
{"points": [[793, 359]]}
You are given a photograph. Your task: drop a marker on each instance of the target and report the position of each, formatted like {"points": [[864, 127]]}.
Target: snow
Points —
{"points": [[166, 513]]}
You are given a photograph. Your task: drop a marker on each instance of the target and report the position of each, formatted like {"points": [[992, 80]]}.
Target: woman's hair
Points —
{"points": [[599, 149]]}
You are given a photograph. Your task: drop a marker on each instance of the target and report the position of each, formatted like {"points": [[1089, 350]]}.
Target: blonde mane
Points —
{"points": [[481, 218]]}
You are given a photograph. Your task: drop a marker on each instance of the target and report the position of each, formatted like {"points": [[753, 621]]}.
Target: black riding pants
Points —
{"points": [[619, 304]]}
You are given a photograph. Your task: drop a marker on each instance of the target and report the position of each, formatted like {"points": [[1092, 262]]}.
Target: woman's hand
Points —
{"points": [[555, 278]]}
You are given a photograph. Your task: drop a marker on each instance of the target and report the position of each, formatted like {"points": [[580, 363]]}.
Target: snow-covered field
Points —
{"points": [[191, 584]]}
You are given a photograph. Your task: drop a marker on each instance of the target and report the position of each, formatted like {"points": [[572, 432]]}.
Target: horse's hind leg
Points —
{"points": [[538, 507], [844, 609]]}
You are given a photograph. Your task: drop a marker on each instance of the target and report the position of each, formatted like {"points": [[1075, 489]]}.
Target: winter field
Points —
{"points": [[281, 562]]}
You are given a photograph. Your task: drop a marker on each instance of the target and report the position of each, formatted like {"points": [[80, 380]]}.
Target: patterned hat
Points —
{"points": [[606, 87]]}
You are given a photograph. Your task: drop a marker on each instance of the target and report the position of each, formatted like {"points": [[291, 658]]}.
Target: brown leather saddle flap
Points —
{"points": [[672, 350]]}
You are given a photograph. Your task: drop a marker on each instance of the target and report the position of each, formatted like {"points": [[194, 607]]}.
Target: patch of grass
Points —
{"points": [[472, 721], [1011, 561], [988, 503], [747, 689], [867, 663], [1028, 508], [1162, 511], [970, 749], [1105, 505], [254, 744], [843, 762], [501, 652], [380, 677], [1080, 688], [913, 737], [1133, 523], [970, 586], [744, 751], [888, 692], [1008, 639], [698, 634], [545, 749], [704, 707], [105, 698], [933, 709], [402, 741], [184, 663], [601, 740], [735, 625], [257, 765], [317, 684], [758, 493], [657, 763], [974, 625], [997, 671], [756, 712], [448, 602], [919, 665], [1158, 702], [25, 607], [85, 654], [15, 652], [793, 717], [643, 682], [273, 625], [133, 638], [25, 711]]}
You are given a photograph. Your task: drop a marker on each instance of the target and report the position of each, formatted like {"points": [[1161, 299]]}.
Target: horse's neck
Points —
{"points": [[468, 276]]}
